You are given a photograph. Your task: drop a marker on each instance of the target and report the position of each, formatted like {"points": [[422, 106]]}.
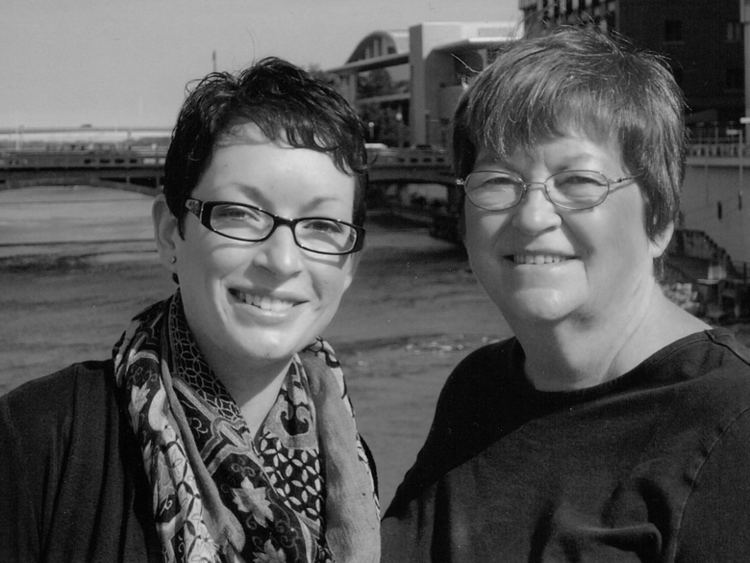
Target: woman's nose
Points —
{"points": [[279, 253], [535, 212]]}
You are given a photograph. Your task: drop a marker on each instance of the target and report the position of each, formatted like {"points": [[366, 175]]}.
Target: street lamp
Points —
{"points": [[740, 151]]}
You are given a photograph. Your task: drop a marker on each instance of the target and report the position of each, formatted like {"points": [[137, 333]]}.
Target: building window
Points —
{"points": [[672, 31], [735, 78], [734, 32]]}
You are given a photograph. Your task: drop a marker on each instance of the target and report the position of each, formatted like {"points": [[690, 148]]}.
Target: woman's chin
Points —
{"points": [[541, 305]]}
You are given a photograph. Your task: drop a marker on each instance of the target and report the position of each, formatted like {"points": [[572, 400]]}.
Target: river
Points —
{"points": [[64, 219]]}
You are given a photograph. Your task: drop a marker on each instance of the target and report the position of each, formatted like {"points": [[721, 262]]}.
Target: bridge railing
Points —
{"points": [[726, 147], [147, 156], [29, 160], [417, 156], [380, 156]]}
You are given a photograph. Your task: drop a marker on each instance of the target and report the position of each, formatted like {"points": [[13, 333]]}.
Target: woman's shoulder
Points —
{"points": [[471, 398], [728, 341], [69, 380], [464, 420], [714, 358], [719, 369], [481, 369], [83, 389]]}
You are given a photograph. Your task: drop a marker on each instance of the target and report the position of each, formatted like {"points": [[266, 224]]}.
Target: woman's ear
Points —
{"points": [[166, 232], [660, 241]]}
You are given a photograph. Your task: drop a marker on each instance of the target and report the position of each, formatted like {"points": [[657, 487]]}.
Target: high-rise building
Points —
{"points": [[701, 39]]}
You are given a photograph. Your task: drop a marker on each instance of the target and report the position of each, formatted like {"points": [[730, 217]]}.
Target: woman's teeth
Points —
{"points": [[264, 302], [537, 259]]}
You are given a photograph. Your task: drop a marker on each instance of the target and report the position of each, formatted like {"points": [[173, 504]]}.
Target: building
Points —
{"points": [[405, 84], [702, 40]]}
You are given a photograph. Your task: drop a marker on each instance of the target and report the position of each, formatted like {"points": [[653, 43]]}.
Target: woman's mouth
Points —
{"points": [[537, 259], [264, 302]]}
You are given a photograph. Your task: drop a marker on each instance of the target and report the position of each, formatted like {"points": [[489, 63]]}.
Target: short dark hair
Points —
{"points": [[285, 102], [570, 77]]}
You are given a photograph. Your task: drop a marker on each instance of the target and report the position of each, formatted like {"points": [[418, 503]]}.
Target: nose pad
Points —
{"points": [[279, 253], [535, 212], [532, 187]]}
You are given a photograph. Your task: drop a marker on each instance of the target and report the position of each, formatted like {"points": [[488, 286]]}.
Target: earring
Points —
{"points": [[172, 259]]}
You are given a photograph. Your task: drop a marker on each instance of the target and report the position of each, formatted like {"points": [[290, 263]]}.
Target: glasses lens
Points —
{"points": [[326, 235], [577, 189], [493, 191], [240, 221]]}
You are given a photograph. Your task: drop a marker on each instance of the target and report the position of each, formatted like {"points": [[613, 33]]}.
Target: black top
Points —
{"points": [[72, 484], [652, 466]]}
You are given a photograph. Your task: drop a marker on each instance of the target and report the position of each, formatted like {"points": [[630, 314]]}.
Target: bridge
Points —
{"points": [[134, 169], [141, 167]]}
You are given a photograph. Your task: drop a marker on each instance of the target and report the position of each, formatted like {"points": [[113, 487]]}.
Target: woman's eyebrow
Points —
{"points": [[258, 194]]}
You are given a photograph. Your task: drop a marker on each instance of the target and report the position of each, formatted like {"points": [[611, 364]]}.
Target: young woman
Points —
{"points": [[220, 428]]}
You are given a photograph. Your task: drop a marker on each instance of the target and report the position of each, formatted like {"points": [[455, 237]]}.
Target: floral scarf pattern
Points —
{"points": [[220, 493]]}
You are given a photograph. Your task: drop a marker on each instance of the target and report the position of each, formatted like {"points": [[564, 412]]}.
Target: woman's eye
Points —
{"points": [[236, 213], [499, 182], [492, 182], [323, 226], [578, 180]]}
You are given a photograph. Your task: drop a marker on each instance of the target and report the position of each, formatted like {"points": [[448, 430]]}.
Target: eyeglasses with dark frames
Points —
{"points": [[498, 190], [247, 223]]}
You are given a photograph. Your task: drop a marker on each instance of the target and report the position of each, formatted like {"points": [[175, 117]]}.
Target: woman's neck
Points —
{"points": [[577, 353], [254, 387]]}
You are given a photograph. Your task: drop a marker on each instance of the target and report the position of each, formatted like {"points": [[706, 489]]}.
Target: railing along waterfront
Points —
{"points": [[724, 148], [386, 164], [380, 157], [29, 160]]}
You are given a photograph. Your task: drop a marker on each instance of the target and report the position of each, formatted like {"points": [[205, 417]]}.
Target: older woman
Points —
{"points": [[220, 429], [613, 426]]}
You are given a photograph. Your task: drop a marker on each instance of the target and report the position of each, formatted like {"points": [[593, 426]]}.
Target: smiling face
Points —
{"points": [[254, 304], [541, 263]]}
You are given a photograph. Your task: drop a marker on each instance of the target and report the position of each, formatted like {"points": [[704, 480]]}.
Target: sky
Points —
{"points": [[125, 63]]}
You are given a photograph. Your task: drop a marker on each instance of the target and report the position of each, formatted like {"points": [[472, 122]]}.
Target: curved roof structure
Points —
{"points": [[379, 44]]}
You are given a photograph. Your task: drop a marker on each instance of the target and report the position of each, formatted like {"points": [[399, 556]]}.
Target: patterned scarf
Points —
{"points": [[299, 490]]}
